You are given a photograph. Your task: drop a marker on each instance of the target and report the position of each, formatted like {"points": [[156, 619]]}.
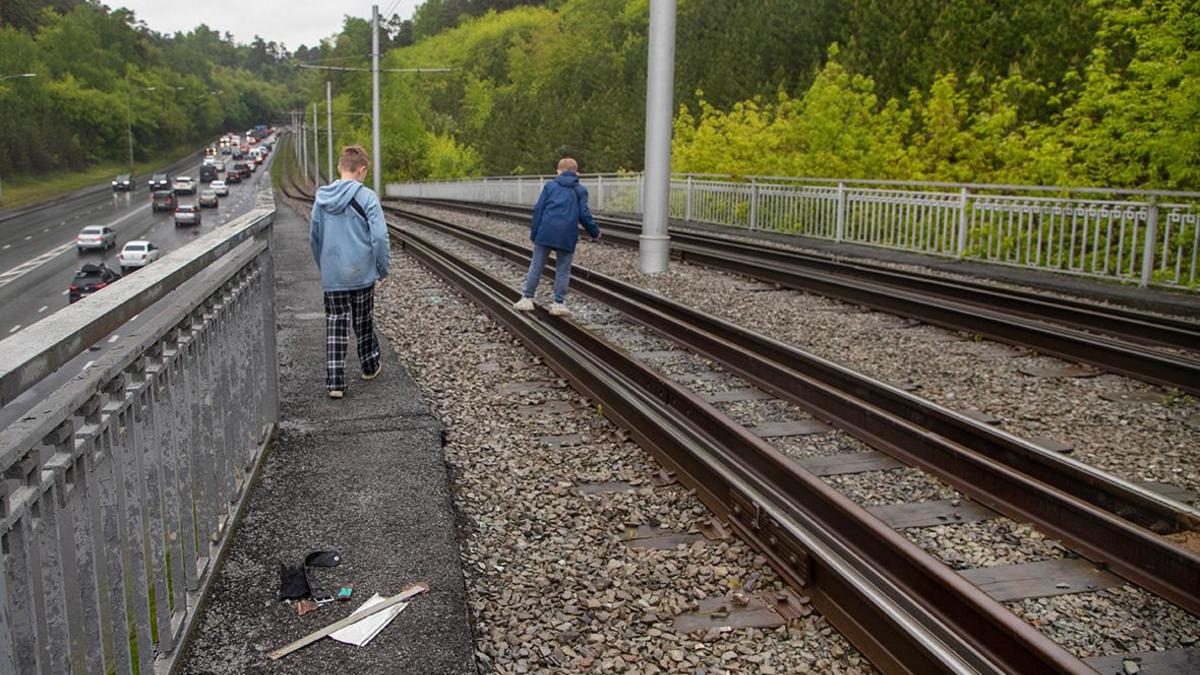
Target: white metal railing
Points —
{"points": [[1143, 236]]}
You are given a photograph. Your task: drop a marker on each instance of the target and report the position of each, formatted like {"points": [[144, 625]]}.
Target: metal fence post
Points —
{"points": [[641, 179], [1151, 241], [599, 193], [687, 199], [520, 192], [840, 234], [753, 203], [962, 222]]}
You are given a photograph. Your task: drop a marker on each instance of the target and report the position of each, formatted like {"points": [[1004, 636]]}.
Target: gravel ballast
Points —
{"points": [[962, 545], [551, 587], [1139, 440]]}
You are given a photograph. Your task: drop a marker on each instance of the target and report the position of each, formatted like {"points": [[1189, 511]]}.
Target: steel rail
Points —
{"points": [[1065, 498], [905, 611], [1031, 328]]}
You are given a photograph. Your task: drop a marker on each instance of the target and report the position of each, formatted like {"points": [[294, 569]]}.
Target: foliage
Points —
{"points": [[100, 72], [1102, 92]]}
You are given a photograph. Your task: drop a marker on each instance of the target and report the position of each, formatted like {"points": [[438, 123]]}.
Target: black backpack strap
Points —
{"points": [[359, 209]]}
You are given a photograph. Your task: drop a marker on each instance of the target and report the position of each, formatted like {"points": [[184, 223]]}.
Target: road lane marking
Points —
{"points": [[113, 339], [43, 308], [6, 247], [66, 291], [30, 265], [14, 329], [29, 237], [87, 365]]}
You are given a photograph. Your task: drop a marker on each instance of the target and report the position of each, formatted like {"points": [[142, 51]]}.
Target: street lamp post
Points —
{"points": [[129, 126], [12, 77]]}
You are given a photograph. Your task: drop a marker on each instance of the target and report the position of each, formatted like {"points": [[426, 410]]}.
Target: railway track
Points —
{"points": [[902, 608], [1137, 344]]}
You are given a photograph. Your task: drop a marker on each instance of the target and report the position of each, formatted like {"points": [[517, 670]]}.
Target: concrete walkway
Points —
{"points": [[364, 476]]}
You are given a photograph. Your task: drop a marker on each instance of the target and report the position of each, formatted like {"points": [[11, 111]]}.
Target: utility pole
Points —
{"points": [[655, 242], [316, 150], [329, 126], [377, 167]]}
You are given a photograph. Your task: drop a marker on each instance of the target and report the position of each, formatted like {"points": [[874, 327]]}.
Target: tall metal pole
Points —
{"points": [[654, 243], [377, 161], [329, 126], [303, 143], [316, 150]]}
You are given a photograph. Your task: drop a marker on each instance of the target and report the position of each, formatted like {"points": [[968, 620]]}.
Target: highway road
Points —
{"points": [[38, 257]]}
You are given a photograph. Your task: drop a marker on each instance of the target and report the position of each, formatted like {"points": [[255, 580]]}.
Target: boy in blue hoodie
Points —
{"points": [[349, 241], [560, 209]]}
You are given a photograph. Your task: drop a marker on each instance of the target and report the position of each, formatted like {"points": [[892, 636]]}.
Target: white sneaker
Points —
{"points": [[523, 305], [559, 309]]}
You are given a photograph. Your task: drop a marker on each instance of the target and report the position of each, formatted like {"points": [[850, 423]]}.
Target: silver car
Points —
{"points": [[219, 187], [187, 214], [95, 236]]}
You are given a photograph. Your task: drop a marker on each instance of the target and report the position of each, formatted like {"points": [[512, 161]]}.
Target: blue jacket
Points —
{"points": [[351, 252], [560, 210]]}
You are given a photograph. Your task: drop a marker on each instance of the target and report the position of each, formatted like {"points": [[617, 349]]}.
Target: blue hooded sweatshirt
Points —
{"points": [[351, 252], [560, 209]]}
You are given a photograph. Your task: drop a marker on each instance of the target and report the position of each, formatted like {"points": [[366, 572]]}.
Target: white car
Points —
{"points": [[137, 254], [219, 187], [183, 185], [95, 236]]}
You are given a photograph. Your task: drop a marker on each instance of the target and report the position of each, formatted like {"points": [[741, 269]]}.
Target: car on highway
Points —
{"points": [[226, 150], [209, 199], [187, 214], [137, 254], [163, 200], [183, 185], [89, 279], [122, 182], [208, 173], [219, 187], [242, 168], [160, 181], [234, 176], [95, 236]]}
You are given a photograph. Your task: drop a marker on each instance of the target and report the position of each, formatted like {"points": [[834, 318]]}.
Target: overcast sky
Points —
{"points": [[292, 22]]}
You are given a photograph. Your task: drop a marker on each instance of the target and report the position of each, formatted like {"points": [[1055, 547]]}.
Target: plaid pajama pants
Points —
{"points": [[344, 309]]}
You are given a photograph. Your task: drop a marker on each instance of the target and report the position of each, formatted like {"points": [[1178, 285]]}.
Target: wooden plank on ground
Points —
{"points": [[1040, 579]]}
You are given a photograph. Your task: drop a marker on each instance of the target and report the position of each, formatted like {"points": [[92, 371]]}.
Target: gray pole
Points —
{"points": [[655, 244], [303, 129], [316, 149], [377, 166], [329, 126]]}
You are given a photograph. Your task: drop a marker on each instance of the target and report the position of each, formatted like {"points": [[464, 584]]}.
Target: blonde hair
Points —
{"points": [[567, 164], [353, 158]]}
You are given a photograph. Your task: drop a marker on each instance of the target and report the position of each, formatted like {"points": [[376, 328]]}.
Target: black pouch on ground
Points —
{"points": [[293, 580]]}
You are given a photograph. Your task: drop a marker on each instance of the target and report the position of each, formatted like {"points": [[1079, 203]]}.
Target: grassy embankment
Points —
{"points": [[22, 190]]}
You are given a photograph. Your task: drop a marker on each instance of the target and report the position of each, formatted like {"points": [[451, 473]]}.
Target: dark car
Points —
{"points": [[232, 177], [208, 173], [89, 279], [242, 168], [124, 182], [187, 214], [163, 200], [160, 181], [208, 198]]}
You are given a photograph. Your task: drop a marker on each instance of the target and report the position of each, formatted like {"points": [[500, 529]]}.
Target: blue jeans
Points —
{"points": [[562, 271]]}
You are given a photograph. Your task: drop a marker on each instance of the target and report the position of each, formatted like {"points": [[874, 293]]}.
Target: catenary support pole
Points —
{"points": [[655, 244], [316, 149], [376, 159], [329, 128]]}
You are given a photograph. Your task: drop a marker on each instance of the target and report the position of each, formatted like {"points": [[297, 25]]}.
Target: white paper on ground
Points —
{"points": [[361, 632]]}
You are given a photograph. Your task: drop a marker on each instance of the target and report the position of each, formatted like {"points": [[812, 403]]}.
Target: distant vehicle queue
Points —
{"points": [[248, 152]]}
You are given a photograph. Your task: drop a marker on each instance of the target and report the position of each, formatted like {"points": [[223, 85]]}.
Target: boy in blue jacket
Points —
{"points": [[560, 209], [349, 241]]}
